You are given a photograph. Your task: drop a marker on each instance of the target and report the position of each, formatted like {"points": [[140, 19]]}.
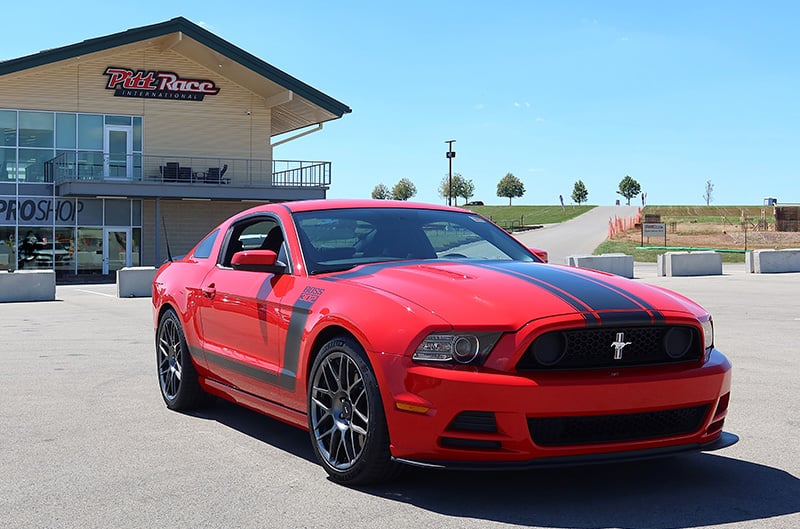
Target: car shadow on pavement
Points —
{"points": [[679, 492], [280, 435]]}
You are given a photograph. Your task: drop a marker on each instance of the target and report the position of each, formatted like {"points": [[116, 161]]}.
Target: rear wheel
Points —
{"points": [[177, 376], [345, 416]]}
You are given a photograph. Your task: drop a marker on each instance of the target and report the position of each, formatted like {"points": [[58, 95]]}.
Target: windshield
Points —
{"points": [[340, 239]]}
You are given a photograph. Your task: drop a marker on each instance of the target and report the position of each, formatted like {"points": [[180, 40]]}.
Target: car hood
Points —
{"points": [[509, 294]]}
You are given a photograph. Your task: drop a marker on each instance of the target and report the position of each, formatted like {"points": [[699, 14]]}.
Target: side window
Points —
{"points": [[203, 249], [260, 233]]}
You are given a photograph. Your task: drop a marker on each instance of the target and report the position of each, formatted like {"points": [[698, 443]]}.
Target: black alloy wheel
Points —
{"points": [[177, 376], [346, 417]]}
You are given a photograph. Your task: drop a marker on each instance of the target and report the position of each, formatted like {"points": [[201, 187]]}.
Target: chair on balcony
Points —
{"points": [[214, 175], [185, 174], [170, 171]]}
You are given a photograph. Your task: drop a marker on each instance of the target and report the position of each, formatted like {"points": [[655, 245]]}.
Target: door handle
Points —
{"points": [[210, 290]]}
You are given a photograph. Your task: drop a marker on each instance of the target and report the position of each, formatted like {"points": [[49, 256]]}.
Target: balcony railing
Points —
{"points": [[245, 172]]}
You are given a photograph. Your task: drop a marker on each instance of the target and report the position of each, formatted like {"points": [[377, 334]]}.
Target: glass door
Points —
{"points": [[118, 151], [116, 248]]}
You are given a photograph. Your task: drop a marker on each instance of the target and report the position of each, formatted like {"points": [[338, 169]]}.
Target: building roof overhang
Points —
{"points": [[294, 104]]}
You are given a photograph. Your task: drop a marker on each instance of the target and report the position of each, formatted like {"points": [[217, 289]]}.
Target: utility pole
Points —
{"points": [[450, 155]]}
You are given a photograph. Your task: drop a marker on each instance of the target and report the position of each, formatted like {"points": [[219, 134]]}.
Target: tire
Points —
{"points": [[346, 419], [177, 376]]}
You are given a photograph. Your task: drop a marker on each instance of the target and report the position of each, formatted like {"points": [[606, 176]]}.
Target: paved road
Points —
{"points": [[578, 236], [86, 442]]}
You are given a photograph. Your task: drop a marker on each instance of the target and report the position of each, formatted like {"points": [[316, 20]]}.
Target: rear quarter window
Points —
{"points": [[203, 249]]}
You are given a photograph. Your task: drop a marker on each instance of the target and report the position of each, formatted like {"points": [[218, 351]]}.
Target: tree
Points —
{"points": [[467, 190], [709, 191], [579, 193], [404, 189], [629, 188], [461, 187], [381, 192], [444, 186], [510, 186]]}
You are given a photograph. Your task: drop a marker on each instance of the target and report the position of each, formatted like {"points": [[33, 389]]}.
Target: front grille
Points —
{"points": [[566, 431], [594, 348]]}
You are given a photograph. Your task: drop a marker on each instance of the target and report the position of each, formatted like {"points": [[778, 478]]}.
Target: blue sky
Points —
{"points": [[671, 93]]}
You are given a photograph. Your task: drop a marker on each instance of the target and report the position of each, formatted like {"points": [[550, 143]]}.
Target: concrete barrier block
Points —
{"points": [[135, 282], [613, 263], [776, 261], [28, 285], [682, 264], [749, 263], [661, 265]]}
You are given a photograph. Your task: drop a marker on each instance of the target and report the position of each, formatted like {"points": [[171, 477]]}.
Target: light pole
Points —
{"points": [[450, 155]]}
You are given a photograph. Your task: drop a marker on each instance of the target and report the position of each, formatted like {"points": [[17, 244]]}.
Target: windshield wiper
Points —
{"points": [[332, 269]]}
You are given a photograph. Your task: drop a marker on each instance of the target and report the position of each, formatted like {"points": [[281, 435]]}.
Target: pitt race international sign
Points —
{"points": [[157, 85]]}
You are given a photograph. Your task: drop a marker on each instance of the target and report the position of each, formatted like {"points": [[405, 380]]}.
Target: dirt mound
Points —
{"points": [[714, 235]]}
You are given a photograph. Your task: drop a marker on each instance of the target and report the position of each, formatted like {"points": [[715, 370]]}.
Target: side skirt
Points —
{"points": [[265, 407]]}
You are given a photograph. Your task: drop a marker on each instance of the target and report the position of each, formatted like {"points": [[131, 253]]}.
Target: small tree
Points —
{"points": [[404, 189], [444, 186], [579, 193], [467, 190], [461, 187], [629, 188], [510, 186], [381, 192], [707, 196]]}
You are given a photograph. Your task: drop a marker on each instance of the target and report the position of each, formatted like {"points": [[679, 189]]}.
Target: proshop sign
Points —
{"points": [[36, 211]]}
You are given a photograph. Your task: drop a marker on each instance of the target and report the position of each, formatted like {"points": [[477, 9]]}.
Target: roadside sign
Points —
{"points": [[654, 229]]}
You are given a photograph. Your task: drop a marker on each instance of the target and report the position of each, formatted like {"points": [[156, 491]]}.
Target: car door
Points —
{"points": [[244, 328]]}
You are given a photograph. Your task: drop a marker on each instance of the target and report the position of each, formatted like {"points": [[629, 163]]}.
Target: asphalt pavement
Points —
{"points": [[577, 236], [86, 441]]}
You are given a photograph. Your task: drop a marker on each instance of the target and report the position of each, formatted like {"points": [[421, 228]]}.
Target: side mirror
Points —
{"points": [[541, 254], [258, 261]]}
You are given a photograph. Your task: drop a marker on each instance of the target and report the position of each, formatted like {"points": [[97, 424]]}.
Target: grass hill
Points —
{"points": [[517, 216]]}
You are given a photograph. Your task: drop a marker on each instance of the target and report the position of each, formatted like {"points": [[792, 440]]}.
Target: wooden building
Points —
{"points": [[104, 142]]}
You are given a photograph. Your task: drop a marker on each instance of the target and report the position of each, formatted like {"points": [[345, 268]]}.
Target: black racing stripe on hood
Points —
{"points": [[642, 303], [573, 301], [583, 292]]}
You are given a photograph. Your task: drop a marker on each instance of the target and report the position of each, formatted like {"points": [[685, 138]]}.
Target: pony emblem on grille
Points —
{"points": [[619, 345]]}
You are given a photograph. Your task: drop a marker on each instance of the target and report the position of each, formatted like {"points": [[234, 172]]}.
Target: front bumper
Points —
{"points": [[423, 403], [725, 440]]}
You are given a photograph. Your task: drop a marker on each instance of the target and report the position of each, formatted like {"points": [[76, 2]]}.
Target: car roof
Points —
{"points": [[320, 205]]}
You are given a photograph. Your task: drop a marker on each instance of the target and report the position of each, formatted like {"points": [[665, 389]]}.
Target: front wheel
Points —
{"points": [[345, 416]]}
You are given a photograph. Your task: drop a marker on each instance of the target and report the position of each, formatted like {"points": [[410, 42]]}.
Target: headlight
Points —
{"points": [[708, 333], [464, 348]]}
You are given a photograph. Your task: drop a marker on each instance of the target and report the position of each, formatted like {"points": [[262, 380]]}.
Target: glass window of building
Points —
{"points": [[8, 164], [36, 129], [66, 135], [90, 132], [117, 212], [8, 128], [31, 164]]}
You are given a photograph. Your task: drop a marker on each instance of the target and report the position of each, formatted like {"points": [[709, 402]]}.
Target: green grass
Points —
{"points": [[510, 216], [651, 256]]}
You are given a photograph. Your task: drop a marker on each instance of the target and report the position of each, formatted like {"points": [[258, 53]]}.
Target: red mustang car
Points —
{"points": [[409, 333]]}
